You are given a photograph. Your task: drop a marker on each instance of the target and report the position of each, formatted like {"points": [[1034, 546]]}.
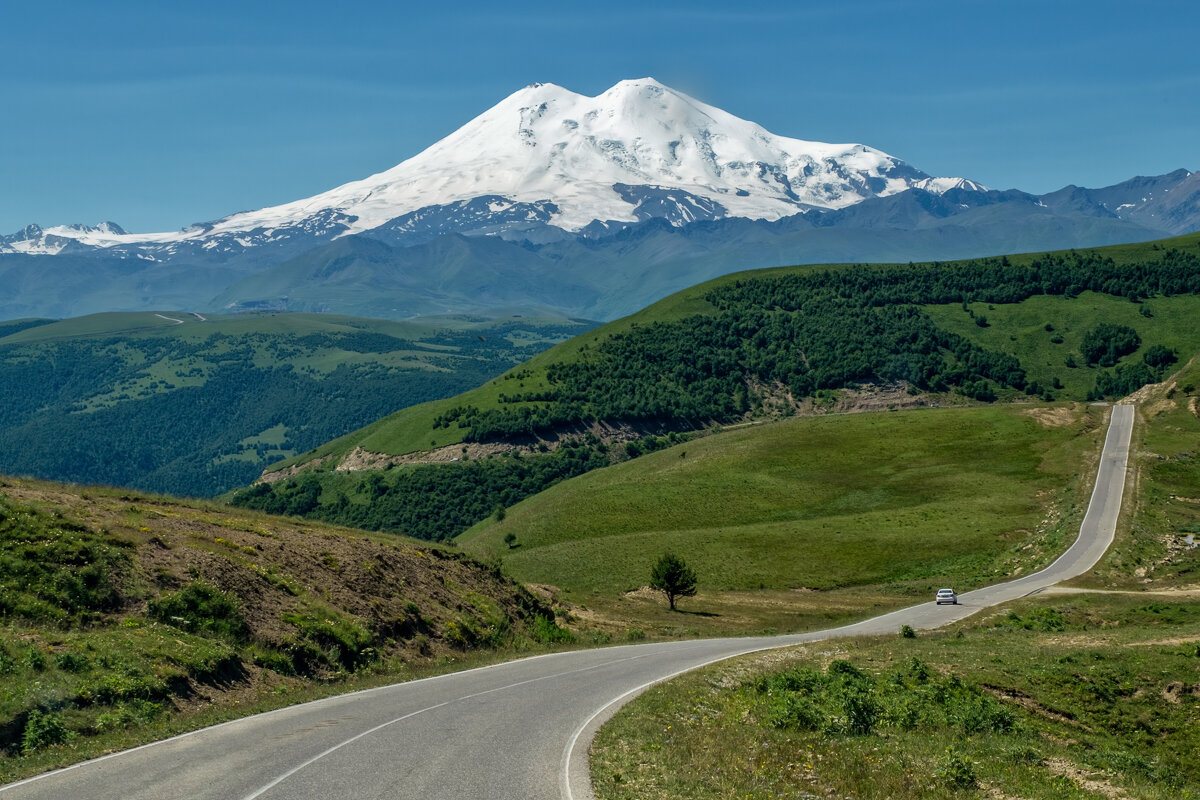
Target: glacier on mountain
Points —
{"points": [[639, 150]]}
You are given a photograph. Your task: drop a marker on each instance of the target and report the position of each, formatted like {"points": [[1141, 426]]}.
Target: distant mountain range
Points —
{"points": [[594, 206]]}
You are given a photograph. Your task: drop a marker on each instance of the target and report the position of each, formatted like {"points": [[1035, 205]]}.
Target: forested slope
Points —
{"points": [[766, 344], [194, 406]]}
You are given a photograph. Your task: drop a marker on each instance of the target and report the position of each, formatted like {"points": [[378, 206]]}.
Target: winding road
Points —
{"points": [[516, 731]]}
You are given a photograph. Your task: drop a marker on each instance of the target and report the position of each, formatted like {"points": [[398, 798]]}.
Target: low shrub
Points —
{"points": [[547, 632], [956, 770], [329, 640], [42, 729], [201, 608]]}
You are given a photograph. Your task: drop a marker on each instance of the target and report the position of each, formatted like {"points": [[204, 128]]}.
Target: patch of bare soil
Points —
{"points": [[866, 398], [1056, 417], [1175, 691], [609, 433], [1186, 592], [1088, 781], [1148, 393], [1026, 702], [360, 459], [994, 793]]}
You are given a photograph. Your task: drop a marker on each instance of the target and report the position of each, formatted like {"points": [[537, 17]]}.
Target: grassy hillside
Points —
{"points": [[1075, 693], [758, 346], [853, 511], [127, 617], [1154, 551], [1042, 332], [825, 330], [195, 405]]}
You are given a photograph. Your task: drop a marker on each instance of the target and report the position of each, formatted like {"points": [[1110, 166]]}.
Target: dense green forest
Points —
{"points": [[828, 330], [197, 413], [439, 501]]}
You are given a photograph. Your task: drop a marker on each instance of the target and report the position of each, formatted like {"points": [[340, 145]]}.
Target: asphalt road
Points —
{"points": [[515, 731]]}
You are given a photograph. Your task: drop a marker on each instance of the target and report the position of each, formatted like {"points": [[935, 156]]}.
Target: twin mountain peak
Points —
{"points": [[564, 176]]}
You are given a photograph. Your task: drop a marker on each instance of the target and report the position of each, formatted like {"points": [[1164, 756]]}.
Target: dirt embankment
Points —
{"points": [[420, 600], [776, 402], [360, 459]]}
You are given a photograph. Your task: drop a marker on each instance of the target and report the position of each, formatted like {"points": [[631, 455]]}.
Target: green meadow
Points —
{"points": [[882, 507], [1044, 332], [1056, 697], [1085, 692]]}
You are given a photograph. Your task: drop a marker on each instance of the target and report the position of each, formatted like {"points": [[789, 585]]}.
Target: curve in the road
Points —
{"points": [[514, 730]]}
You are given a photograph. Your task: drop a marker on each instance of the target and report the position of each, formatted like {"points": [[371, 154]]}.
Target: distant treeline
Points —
{"points": [[818, 330], [439, 501]]}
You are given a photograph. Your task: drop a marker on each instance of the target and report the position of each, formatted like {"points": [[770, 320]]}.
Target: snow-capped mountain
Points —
{"points": [[594, 206], [50, 241], [550, 156]]}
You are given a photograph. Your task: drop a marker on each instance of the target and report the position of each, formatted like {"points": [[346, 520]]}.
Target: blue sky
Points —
{"points": [[155, 115]]}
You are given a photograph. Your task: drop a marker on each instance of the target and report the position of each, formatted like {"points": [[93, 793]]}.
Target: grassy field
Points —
{"points": [[1043, 331], [822, 516], [1153, 552], [1058, 697]]}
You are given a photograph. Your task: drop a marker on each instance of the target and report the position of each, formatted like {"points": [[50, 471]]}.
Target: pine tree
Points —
{"points": [[673, 577]]}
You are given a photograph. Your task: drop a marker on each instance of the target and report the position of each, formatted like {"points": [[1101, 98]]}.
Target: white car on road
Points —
{"points": [[946, 596]]}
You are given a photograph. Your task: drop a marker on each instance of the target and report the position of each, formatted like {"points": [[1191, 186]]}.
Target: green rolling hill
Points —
{"points": [[820, 515], [754, 347], [195, 405]]}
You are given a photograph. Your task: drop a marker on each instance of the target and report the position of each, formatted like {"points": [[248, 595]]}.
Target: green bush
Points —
{"points": [[274, 661], [795, 679], [127, 714], [327, 639], [72, 662], [982, 714], [956, 770], [859, 709], [848, 701], [547, 632], [1037, 619], [201, 608], [794, 712], [42, 729]]}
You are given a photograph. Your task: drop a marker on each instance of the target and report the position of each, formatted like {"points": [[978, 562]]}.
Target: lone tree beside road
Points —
{"points": [[673, 578]]}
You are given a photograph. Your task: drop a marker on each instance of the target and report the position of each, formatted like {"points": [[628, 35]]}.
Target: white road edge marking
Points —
{"points": [[340, 745], [312, 703], [412, 714]]}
